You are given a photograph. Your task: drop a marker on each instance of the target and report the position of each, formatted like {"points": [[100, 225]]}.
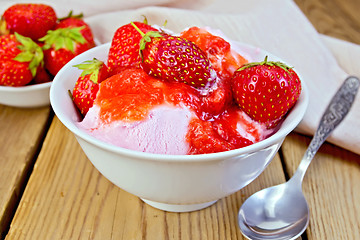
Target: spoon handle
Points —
{"points": [[336, 111]]}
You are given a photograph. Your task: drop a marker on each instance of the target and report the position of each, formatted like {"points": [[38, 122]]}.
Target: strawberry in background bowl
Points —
{"points": [[32, 50], [178, 140]]}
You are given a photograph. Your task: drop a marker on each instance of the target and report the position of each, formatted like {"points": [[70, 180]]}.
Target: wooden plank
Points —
{"points": [[22, 131], [67, 198], [336, 18], [331, 188]]}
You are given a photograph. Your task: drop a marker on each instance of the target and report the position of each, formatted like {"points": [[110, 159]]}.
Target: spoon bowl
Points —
{"points": [[262, 214], [281, 212]]}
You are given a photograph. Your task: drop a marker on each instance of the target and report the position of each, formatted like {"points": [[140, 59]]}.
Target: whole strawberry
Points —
{"points": [[87, 85], [29, 19], [175, 59], [266, 90], [223, 58], [73, 21], [70, 38], [20, 58], [124, 49]]}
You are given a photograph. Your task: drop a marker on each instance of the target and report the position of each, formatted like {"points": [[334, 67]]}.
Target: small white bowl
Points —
{"points": [[31, 96], [177, 183]]}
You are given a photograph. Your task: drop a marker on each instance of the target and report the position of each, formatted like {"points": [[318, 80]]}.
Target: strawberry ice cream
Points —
{"points": [[163, 131], [159, 123], [137, 111]]}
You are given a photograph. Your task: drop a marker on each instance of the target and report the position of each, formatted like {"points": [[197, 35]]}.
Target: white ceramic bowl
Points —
{"points": [[175, 183], [28, 96]]}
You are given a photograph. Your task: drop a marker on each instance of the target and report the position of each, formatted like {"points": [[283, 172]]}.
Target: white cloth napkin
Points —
{"points": [[277, 26]]}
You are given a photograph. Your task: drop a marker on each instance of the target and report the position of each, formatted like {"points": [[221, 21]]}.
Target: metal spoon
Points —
{"points": [[281, 212]]}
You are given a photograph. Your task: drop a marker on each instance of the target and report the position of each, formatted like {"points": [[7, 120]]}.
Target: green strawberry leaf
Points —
{"points": [[91, 67], [30, 52], [76, 35], [265, 62], [60, 43], [3, 27], [33, 65], [68, 44], [146, 38], [145, 19], [65, 38], [70, 15], [24, 57]]}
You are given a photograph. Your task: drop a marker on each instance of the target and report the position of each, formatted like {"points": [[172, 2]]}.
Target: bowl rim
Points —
{"points": [[26, 88], [278, 136]]}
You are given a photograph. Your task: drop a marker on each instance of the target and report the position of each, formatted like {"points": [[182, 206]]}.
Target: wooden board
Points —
{"points": [[22, 132], [330, 186], [336, 18]]}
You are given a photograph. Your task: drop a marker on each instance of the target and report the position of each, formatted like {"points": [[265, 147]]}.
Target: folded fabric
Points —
{"points": [[277, 26]]}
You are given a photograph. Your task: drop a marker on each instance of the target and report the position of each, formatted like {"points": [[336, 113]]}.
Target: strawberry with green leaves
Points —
{"points": [[70, 38], [20, 58], [87, 85], [175, 59], [28, 19], [73, 21], [266, 90], [124, 49]]}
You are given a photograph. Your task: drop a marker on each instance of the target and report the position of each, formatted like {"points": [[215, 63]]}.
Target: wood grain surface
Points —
{"points": [[22, 132], [336, 18], [330, 186], [50, 190]]}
